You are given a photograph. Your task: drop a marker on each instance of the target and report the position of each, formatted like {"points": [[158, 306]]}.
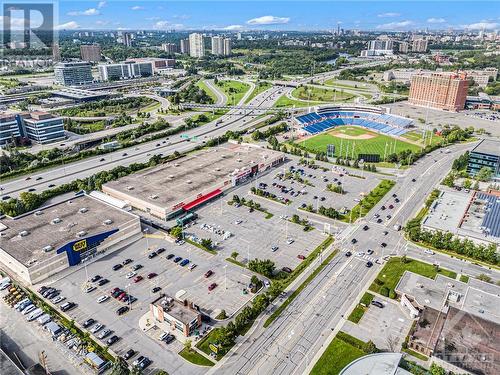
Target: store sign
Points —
{"points": [[80, 245]]}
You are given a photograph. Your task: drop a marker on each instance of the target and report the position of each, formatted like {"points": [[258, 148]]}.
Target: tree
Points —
{"points": [[120, 367], [187, 345], [234, 255], [484, 277], [176, 232], [206, 243], [264, 267], [370, 347], [484, 174], [437, 370], [467, 184]]}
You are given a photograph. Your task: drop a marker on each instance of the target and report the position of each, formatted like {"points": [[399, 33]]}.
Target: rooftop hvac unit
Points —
{"points": [[189, 182], [108, 222], [56, 220], [48, 248], [130, 188], [23, 233], [81, 233], [83, 210], [154, 196], [238, 160], [38, 213], [217, 169], [171, 176]]}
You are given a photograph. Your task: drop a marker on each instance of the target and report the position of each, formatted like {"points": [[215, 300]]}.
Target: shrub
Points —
{"points": [[384, 291]]}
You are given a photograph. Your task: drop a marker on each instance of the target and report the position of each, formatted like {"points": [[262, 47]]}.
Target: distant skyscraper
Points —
{"points": [[227, 47], [196, 46], [185, 46], [238, 36], [221, 46], [56, 53], [403, 47], [127, 39], [90, 52]]}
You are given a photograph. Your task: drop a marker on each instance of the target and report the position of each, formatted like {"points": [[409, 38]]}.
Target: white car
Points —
{"points": [[192, 266], [130, 274], [290, 241], [58, 299], [28, 309], [163, 336], [267, 284], [97, 328], [274, 248], [238, 222], [428, 251], [360, 253], [102, 299], [90, 289]]}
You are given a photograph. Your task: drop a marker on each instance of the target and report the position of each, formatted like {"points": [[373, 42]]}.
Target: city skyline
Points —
{"points": [[277, 15]]}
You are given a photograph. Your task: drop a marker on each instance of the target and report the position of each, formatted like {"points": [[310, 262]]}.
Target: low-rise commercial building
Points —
{"points": [[9, 129], [125, 70], [171, 189], [183, 316], [485, 154], [39, 244], [73, 73]]}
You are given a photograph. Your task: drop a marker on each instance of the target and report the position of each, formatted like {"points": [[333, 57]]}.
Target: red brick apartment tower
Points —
{"points": [[446, 90]]}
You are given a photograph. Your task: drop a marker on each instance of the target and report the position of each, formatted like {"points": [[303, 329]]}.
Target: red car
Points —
{"points": [[301, 257], [121, 295], [212, 286], [391, 206], [209, 273], [151, 275], [138, 278]]}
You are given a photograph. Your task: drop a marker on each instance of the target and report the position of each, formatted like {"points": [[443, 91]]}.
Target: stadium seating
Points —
{"points": [[315, 123]]}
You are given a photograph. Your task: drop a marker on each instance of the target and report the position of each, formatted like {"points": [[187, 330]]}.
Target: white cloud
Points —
{"points": [[167, 25], [268, 20], [137, 7], [88, 12], [233, 27], [395, 25], [101, 23], [486, 25], [18, 23], [436, 20], [388, 14], [101, 4], [71, 25]]}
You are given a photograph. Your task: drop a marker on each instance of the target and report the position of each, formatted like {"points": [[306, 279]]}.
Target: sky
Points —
{"points": [[278, 15]]}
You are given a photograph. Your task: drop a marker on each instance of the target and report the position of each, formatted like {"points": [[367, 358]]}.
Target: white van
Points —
{"points": [[34, 314], [44, 319]]}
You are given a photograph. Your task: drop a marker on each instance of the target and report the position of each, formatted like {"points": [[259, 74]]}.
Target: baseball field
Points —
{"points": [[354, 140]]}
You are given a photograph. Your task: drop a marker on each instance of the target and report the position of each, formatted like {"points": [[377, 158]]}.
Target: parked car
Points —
{"points": [[177, 259], [105, 333], [209, 273], [122, 310], [138, 278], [287, 269], [112, 340], [152, 255], [129, 354], [378, 304], [184, 262], [116, 267], [88, 323], [301, 257], [169, 256], [192, 266], [369, 264], [369, 251], [96, 278], [144, 363], [156, 289], [102, 282], [212, 286], [96, 328], [102, 299], [127, 261], [138, 360], [130, 275], [151, 275], [383, 244], [348, 254], [169, 338], [136, 267], [353, 241], [366, 227], [160, 250], [68, 306]]}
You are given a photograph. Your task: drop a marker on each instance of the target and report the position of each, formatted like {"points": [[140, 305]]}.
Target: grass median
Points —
{"points": [[194, 357]]}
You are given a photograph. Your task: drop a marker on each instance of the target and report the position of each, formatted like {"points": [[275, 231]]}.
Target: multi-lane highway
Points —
{"points": [[65, 173]]}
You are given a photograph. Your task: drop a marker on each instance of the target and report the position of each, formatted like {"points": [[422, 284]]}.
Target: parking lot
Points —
{"points": [[252, 235], [307, 185], [172, 278], [386, 327]]}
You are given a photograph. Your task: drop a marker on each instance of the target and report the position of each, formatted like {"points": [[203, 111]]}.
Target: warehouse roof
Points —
{"points": [[25, 237]]}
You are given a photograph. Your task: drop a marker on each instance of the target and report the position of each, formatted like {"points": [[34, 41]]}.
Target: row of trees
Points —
{"points": [[271, 131], [103, 108], [193, 94]]}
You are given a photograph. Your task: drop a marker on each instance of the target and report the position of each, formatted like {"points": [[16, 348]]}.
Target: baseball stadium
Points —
{"points": [[356, 132]]}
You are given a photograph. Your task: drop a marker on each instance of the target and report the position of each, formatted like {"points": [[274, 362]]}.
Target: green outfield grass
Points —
{"points": [[417, 136], [374, 145], [321, 94], [234, 90]]}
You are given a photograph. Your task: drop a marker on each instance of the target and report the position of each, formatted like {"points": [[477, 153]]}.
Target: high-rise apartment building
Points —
{"points": [[169, 48], [446, 90], [419, 45], [196, 46], [227, 47], [221, 46], [90, 52], [127, 39], [379, 47], [404, 47], [185, 46], [73, 73]]}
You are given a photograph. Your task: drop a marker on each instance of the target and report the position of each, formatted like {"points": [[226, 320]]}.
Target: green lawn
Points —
{"points": [[464, 278], [338, 355], [285, 102], [375, 145], [205, 88], [358, 312], [355, 85], [260, 87], [416, 355], [394, 269], [417, 136], [323, 95], [234, 90], [195, 357]]}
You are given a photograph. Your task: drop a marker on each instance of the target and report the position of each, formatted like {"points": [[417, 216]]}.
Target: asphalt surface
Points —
{"points": [[233, 120]]}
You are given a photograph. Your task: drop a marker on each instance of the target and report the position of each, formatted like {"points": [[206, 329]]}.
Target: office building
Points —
{"points": [[56, 52], [40, 244], [379, 47], [73, 73], [419, 45], [169, 48], [90, 52], [42, 127], [158, 63], [185, 46], [9, 129], [179, 316], [445, 90], [196, 45], [125, 70], [485, 154], [482, 77]]}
